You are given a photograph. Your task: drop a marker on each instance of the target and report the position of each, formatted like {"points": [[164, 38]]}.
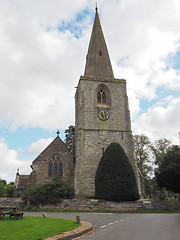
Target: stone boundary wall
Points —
{"points": [[94, 204], [15, 202]]}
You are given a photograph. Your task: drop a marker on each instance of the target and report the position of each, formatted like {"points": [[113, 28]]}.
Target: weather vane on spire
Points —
{"points": [[96, 7]]}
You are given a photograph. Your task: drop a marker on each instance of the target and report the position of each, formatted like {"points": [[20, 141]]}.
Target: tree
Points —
{"points": [[2, 189], [147, 183], [168, 173], [115, 178], [3, 181], [6, 190], [143, 154], [154, 185], [69, 134], [9, 190], [160, 148]]}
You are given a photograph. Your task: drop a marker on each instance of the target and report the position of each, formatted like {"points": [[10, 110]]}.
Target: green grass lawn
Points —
{"points": [[34, 228]]}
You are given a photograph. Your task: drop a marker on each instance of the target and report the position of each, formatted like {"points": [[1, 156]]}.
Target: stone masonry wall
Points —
{"points": [[10, 202], [94, 204]]}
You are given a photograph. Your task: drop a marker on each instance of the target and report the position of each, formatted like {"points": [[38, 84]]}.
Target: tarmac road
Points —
{"points": [[127, 226]]}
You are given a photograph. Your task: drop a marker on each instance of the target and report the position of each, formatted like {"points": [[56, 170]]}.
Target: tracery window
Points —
{"points": [[101, 97], [55, 166]]}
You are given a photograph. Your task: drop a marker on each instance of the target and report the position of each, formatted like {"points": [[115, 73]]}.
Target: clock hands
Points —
{"points": [[103, 114]]}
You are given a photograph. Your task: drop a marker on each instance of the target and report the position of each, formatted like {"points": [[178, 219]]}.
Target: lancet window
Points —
{"points": [[102, 95], [50, 168]]}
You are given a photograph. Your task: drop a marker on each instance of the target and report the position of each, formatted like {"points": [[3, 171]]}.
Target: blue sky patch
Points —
{"points": [[161, 93], [164, 92], [73, 26], [22, 138], [173, 61], [176, 61]]}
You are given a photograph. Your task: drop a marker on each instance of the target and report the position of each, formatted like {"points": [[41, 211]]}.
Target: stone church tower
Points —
{"points": [[102, 114]]}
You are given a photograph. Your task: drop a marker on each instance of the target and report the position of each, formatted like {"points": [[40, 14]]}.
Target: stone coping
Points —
{"points": [[85, 228]]}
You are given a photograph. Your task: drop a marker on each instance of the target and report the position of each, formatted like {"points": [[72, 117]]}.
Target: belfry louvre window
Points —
{"points": [[55, 166], [101, 97]]}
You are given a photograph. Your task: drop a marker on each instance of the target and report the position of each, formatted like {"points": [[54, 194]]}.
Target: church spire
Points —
{"points": [[98, 63]]}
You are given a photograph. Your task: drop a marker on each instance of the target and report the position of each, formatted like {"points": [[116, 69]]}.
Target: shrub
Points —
{"points": [[162, 194], [115, 178], [49, 193]]}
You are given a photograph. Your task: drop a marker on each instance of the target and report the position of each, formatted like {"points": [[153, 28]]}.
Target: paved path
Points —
{"points": [[115, 226]]}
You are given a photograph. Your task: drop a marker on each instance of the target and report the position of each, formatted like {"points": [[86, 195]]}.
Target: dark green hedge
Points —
{"points": [[115, 178]]}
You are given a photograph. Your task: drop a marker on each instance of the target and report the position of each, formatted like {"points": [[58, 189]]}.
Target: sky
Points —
{"points": [[43, 47]]}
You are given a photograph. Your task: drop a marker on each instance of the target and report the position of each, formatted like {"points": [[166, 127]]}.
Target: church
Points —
{"points": [[102, 116]]}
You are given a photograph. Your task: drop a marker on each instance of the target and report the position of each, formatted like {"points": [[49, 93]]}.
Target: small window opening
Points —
{"points": [[103, 97], [102, 150], [122, 135], [100, 53], [99, 97]]}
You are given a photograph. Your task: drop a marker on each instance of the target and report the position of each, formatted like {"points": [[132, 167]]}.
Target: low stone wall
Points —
{"points": [[10, 202], [94, 204]]}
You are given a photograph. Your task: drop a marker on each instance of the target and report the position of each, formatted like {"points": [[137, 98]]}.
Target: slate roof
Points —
{"points": [[98, 63], [23, 181]]}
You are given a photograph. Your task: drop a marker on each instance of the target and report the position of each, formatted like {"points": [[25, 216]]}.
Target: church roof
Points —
{"points": [[23, 181], [55, 146], [98, 63]]}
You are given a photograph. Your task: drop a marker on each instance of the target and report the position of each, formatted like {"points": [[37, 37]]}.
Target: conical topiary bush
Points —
{"points": [[115, 178]]}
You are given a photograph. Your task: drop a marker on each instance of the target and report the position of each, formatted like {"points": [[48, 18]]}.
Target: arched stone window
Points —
{"points": [[55, 166], [50, 168], [60, 168], [103, 95]]}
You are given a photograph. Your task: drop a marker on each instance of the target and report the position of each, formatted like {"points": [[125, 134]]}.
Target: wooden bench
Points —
{"points": [[16, 215]]}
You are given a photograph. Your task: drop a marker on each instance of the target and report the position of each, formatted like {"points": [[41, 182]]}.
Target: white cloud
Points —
{"points": [[159, 122], [11, 160], [40, 66], [36, 147]]}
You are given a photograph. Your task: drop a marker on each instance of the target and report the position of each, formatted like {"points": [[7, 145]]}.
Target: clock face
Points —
{"points": [[103, 114]]}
